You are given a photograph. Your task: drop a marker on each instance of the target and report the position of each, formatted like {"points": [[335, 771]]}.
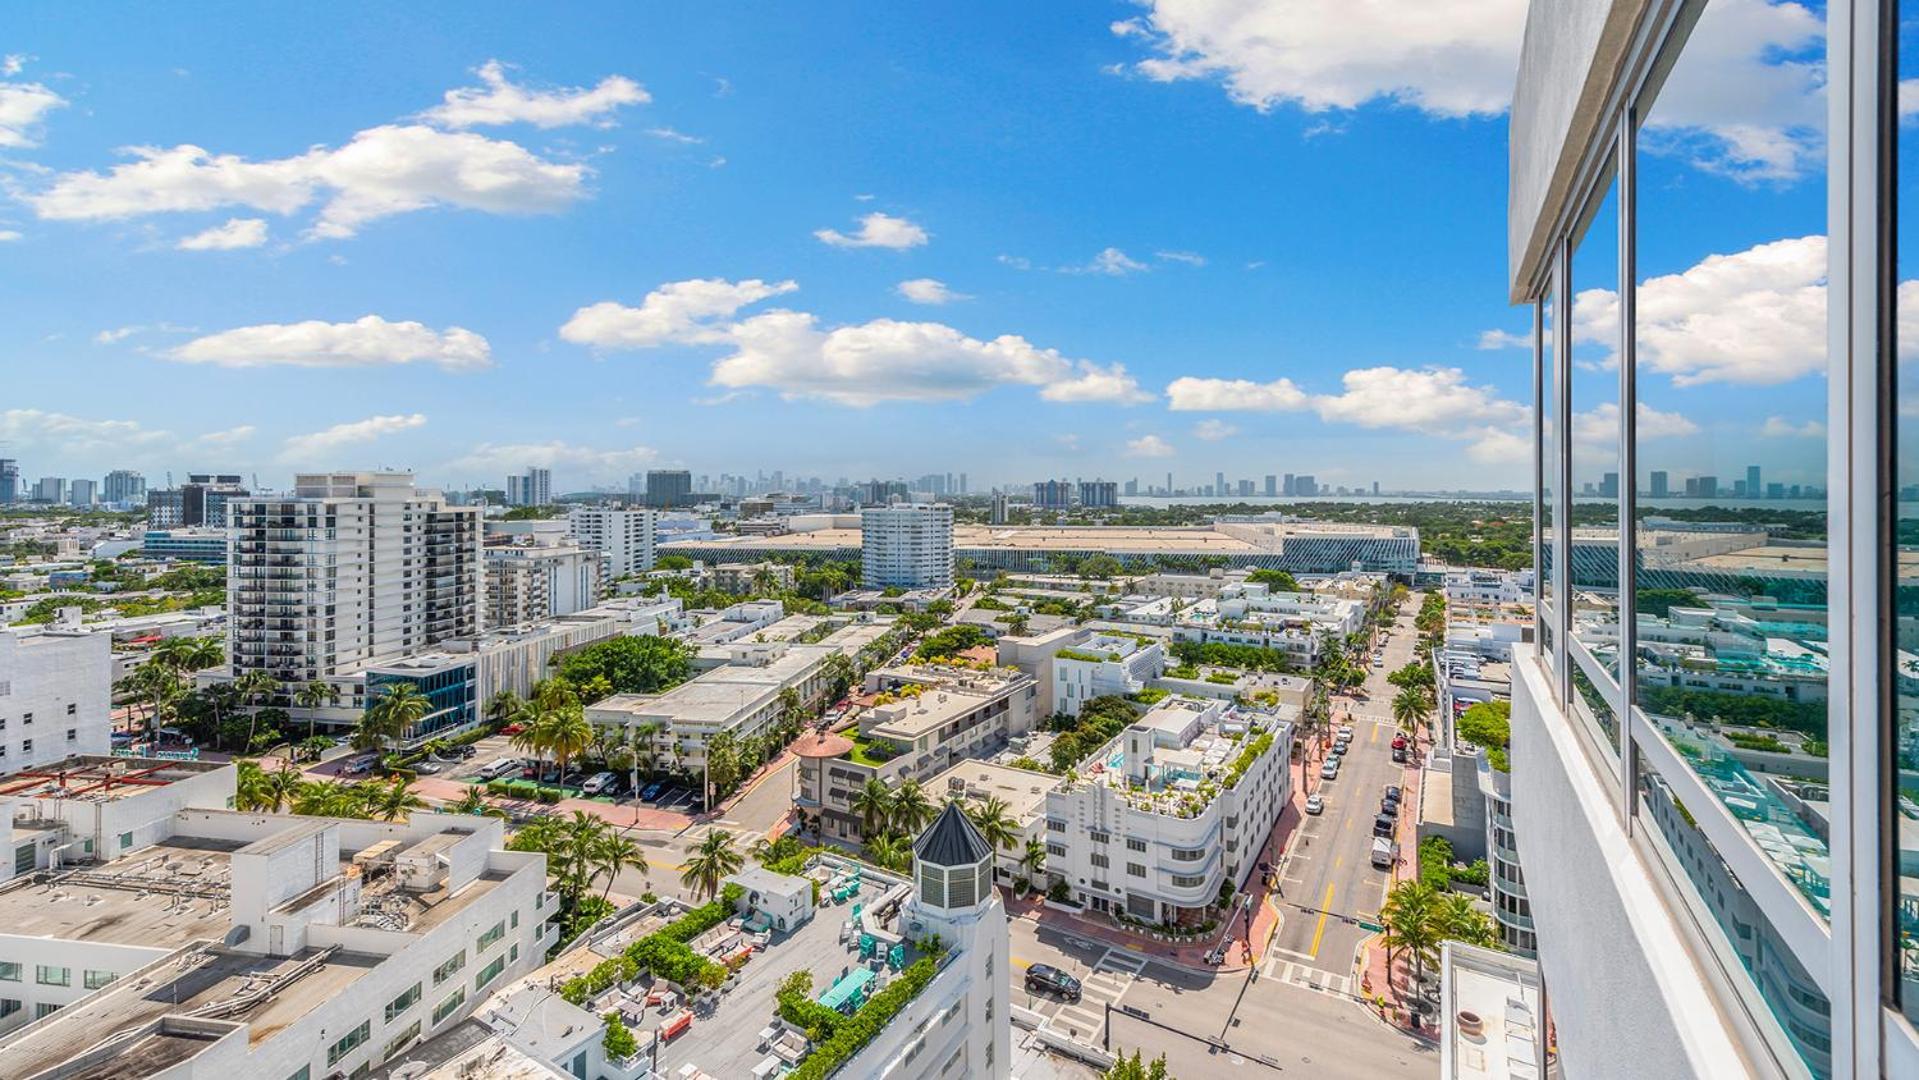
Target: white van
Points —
{"points": [[1384, 851]]}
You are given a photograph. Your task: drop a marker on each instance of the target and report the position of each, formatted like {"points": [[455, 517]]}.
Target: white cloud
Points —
{"points": [[1067, 441], [501, 101], [229, 437], [1017, 262], [1110, 385], [8, 236], [1908, 100], [382, 171], [116, 335], [671, 135], [1598, 427], [1778, 427], [1149, 446], [1191, 394], [1431, 401], [1747, 97], [236, 233], [23, 105], [1112, 261], [73, 435], [889, 360], [306, 448], [580, 463], [682, 312], [926, 290], [1446, 57], [1214, 430], [1187, 257], [1504, 339], [1755, 317], [368, 341], [877, 230]]}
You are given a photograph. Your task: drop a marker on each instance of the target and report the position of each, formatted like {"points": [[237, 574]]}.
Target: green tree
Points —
{"points": [[1132, 1068], [910, 809], [1032, 860], [716, 858], [890, 851], [399, 707], [1412, 915], [874, 805], [618, 1042], [391, 802], [631, 665], [1409, 707], [613, 853], [314, 696], [251, 685], [1276, 580], [990, 817]]}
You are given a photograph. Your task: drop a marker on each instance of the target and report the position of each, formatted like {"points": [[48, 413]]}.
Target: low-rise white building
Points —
{"points": [[1288, 622], [56, 691], [526, 583], [1073, 664], [1155, 822], [204, 943]]}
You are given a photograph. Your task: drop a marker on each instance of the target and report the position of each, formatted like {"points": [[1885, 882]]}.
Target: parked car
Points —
{"points": [[512, 729], [1047, 979], [1346, 731], [1399, 742], [1329, 770], [1399, 754], [1389, 808], [601, 783], [1315, 803], [652, 791], [359, 766], [427, 767], [493, 770], [1384, 852], [464, 751], [1393, 792], [1383, 825]]}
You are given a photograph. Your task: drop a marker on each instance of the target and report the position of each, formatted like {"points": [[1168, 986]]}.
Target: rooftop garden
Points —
{"points": [[1489, 725], [1087, 656], [837, 1037], [1247, 755], [868, 750], [663, 952]]}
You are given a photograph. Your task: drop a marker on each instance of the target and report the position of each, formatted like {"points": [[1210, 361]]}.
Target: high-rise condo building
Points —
{"points": [[124, 487], [1304, 484], [351, 570], [1712, 899], [624, 537], [907, 545], [10, 491], [534, 487], [1098, 494], [667, 488], [527, 583], [1291, 485], [82, 493], [1272, 485], [50, 489], [1052, 495]]}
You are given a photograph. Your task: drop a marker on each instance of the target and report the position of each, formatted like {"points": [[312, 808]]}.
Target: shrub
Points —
{"points": [[618, 1040], [549, 795], [1059, 892], [853, 1033], [663, 952]]}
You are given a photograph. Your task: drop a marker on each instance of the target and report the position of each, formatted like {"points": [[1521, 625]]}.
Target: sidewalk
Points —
{"points": [[1376, 980]]}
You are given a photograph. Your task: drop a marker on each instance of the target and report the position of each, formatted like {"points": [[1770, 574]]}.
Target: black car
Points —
{"points": [[1389, 809], [1047, 979], [1392, 792], [1383, 826]]}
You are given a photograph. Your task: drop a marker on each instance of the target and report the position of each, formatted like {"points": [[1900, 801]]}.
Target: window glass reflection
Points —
{"points": [[1730, 655], [1904, 826], [1593, 553], [1548, 470]]}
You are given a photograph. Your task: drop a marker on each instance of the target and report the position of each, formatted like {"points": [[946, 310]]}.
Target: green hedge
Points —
{"points": [[1250, 754], [853, 1033], [663, 952]]}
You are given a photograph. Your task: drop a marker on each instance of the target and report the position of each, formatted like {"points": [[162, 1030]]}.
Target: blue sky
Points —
{"points": [[413, 240]]}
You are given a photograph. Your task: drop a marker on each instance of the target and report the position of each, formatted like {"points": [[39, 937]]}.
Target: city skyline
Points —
{"points": [[362, 291]]}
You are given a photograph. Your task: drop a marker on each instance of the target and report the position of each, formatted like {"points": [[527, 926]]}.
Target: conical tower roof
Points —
{"points": [[952, 840]]}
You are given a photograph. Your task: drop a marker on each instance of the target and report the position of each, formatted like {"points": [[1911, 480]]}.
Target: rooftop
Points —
{"points": [[94, 778], [162, 896], [1494, 1023], [1197, 750], [1022, 790], [1248, 537], [946, 694]]}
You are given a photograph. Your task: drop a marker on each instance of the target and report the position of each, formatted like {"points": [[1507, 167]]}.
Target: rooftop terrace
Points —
{"points": [[94, 778]]}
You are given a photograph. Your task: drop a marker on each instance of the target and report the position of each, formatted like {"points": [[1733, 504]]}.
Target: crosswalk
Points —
{"points": [[1104, 985], [1307, 977]]}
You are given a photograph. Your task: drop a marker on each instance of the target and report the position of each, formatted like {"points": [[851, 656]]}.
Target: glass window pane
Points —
{"points": [[1548, 465], [1782, 983], [1593, 551], [1904, 825]]}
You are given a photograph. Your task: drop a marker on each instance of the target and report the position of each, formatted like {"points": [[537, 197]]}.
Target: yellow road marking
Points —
{"points": [[1375, 737], [1021, 964], [1319, 929]]}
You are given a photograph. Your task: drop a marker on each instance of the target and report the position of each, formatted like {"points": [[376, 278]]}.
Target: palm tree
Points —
{"points": [[398, 708], [713, 861], [278, 788], [995, 824], [874, 805], [160, 685], [910, 809], [1408, 706], [1033, 859], [184, 654], [1411, 915], [390, 802], [313, 697], [1459, 920], [328, 798], [616, 852], [565, 732], [505, 708], [890, 851], [250, 685], [474, 803]]}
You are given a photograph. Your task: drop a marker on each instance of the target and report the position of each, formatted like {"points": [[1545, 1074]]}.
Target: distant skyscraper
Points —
{"points": [[1709, 487], [1169, 483], [1754, 489], [1375, 487], [1132, 486], [50, 489], [1304, 484], [1659, 484], [999, 509], [906, 545], [124, 487], [636, 487], [82, 493], [669, 487], [962, 483], [1272, 485], [9, 481], [1219, 483], [1052, 495], [1291, 486], [534, 487], [1098, 494], [1245, 488], [1609, 486]]}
